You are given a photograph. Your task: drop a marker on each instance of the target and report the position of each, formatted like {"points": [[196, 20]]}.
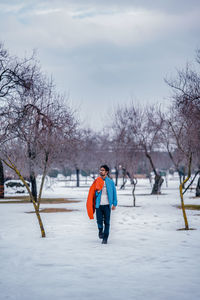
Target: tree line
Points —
{"points": [[40, 130]]}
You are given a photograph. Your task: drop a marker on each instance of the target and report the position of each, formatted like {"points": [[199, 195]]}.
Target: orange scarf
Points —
{"points": [[96, 186]]}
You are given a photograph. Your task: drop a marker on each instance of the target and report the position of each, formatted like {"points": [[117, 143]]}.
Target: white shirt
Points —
{"points": [[104, 196]]}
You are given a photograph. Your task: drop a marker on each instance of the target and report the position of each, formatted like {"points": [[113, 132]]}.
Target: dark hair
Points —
{"points": [[106, 168]]}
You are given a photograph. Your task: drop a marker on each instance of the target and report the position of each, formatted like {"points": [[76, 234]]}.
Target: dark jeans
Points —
{"points": [[103, 216]]}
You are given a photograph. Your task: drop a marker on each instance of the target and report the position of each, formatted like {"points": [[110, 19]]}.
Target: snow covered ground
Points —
{"points": [[146, 258]]}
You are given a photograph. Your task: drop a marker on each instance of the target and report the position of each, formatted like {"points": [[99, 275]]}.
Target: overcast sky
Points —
{"points": [[103, 53]]}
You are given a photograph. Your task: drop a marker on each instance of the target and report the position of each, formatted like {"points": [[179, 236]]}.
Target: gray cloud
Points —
{"points": [[105, 52]]}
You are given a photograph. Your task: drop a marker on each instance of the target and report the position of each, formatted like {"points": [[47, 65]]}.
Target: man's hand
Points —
{"points": [[113, 207]]}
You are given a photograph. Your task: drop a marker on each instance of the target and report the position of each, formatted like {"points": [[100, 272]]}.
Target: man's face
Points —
{"points": [[103, 173]]}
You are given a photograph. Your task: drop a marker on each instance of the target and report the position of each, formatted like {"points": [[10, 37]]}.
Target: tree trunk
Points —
{"points": [[181, 194], [183, 207], [134, 182], [149, 177], [180, 177], [32, 156], [39, 219], [43, 179], [116, 176], [33, 186], [156, 190], [1, 181], [41, 189], [14, 168], [122, 187], [198, 188], [181, 173], [77, 177], [151, 162], [157, 185]]}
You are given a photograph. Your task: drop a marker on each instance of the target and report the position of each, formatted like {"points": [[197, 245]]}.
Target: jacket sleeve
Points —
{"points": [[114, 195], [91, 201]]}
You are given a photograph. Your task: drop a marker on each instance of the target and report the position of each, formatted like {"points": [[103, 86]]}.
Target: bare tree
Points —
{"points": [[172, 136], [35, 116], [186, 104], [13, 72], [185, 124], [5, 156], [186, 96], [44, 133], [141, 127], [125, 151], [13, 75], [88, 150]]}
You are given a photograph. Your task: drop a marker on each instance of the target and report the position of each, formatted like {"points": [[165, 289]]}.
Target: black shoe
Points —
{"points": [[100, 234], [104, 241]]}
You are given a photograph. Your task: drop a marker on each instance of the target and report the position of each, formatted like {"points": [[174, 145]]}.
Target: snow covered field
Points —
{"points": [[145, 258]]}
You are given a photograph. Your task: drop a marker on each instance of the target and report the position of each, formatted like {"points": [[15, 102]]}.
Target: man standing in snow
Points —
{"points": [[102, 197]]}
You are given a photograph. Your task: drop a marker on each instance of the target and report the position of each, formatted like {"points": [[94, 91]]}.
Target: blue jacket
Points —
{"points": [[111, 191]]}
